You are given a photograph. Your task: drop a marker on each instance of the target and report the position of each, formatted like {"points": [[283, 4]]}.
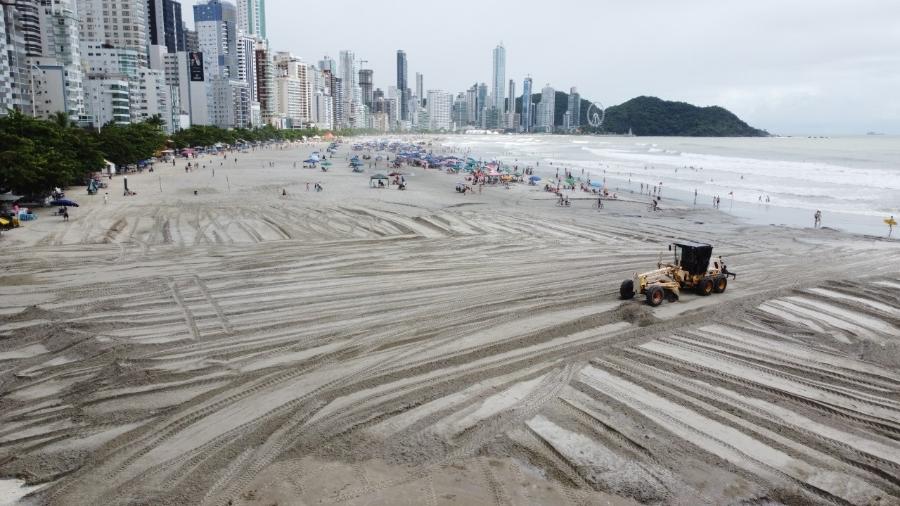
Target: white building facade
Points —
{"points": [[439, 106]]}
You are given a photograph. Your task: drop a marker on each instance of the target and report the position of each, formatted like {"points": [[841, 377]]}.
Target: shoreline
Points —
{"points": [[868, 223]]}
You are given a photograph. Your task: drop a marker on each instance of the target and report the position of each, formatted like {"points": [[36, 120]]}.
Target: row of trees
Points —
{"points": [[203, 136], [37, 155]]}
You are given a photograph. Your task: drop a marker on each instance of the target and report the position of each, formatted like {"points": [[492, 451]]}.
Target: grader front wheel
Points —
{"points": [[626, 290]]}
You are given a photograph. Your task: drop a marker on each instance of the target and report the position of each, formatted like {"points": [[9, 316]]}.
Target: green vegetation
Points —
{"points": [[205, 136], [132, 143], [651, 116], [38, 155]]}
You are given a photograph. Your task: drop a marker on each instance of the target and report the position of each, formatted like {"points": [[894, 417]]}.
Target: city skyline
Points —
{"points": [[785, 68]]}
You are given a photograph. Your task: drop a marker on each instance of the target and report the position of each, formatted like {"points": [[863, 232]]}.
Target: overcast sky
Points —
{"points": [[788, 66]]}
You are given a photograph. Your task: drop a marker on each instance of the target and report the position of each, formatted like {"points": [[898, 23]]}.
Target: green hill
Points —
{"points": [[651, 116]]}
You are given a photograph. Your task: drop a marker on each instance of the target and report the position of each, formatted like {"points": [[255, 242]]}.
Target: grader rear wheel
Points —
{"points": [[721, 283], [655, 295], [705, 287]]}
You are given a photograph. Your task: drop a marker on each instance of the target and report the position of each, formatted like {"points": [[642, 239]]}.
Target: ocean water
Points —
{"points": [[854, 181]]}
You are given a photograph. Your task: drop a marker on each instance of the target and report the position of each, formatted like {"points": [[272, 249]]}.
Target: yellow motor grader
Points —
{"points": [[689, 271]]}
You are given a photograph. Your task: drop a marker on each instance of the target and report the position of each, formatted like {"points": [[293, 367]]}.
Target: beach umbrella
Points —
{"points": [[64, 203], [534, 178], [326, 164]]}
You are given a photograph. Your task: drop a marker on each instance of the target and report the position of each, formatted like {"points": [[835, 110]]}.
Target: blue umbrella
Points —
{"points": [[64, 203], [534, 178]]}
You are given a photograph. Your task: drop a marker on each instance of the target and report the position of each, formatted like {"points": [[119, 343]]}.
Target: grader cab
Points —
{"points": [[689, 270]]}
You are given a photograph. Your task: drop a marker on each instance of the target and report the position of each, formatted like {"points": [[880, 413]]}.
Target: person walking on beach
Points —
{"points": [[106, 198], [66, 214], [817, 219], [890, 223]]}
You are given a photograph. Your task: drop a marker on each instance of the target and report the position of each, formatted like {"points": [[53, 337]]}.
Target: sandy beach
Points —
{"points": [[375, 346]]}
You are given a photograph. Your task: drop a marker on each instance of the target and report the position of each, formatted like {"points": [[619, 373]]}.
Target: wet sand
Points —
{"points": [[366, 346]]}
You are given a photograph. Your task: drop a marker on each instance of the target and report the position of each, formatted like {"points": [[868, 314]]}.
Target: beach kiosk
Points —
{"points": [[378, 181]]}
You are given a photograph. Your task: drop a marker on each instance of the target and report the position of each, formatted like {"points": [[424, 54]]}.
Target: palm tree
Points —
{"points": [[62, 120], [157, 121]]}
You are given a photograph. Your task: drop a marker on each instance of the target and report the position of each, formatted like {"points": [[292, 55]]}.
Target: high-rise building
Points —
{"points": [[111, 83], [150, 97], [216, 25], [54, 60], [227, 95], [482, 107], [108, 99], [328, 63], [191, 41], [366, 87], [527, 114], [420, 89], [459, 112], [322, 112], [175, 70], [472, 105], [393, 105], [6, 72], [574, 110], [511, 106], [265, 83], [28, 23], [547, 109], [246, 56], [498, 89], [352, 95], [337, 101], [439, 108], [102, 60], [402, 84], [20, 70], [228, 103], [251, 18], [165, 26], [292, 86], [117, 23]]}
